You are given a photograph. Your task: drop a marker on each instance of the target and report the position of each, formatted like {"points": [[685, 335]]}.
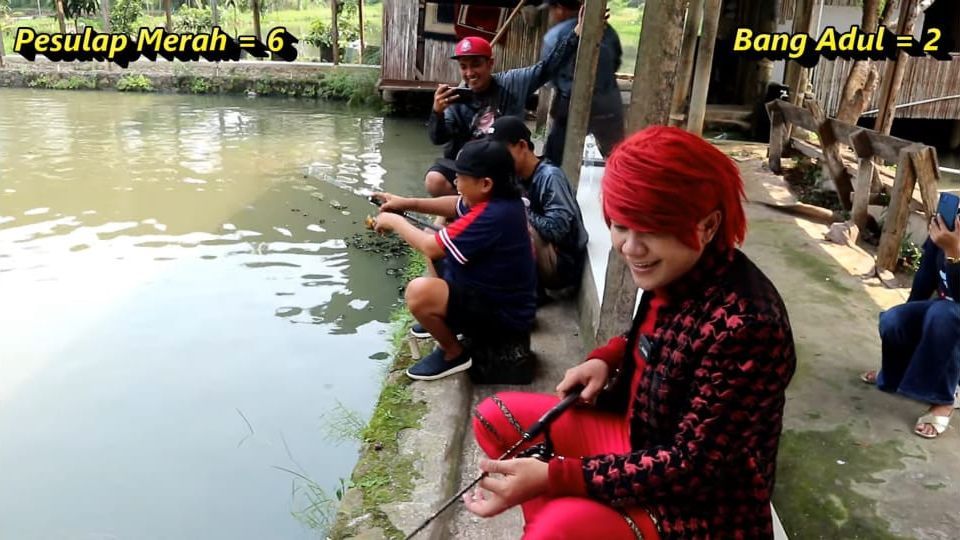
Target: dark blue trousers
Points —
{"points": [[921, 350]]}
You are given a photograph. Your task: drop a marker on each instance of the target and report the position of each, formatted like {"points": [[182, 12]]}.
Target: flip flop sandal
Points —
{"points": [[939, 423], [865, 377]]}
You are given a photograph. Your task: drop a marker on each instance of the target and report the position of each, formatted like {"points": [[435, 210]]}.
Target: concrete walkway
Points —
{"points": [[849, 465]]}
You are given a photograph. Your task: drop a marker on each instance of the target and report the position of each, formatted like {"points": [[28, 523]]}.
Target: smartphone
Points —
{"points": [[947, 208], [463, 93]]}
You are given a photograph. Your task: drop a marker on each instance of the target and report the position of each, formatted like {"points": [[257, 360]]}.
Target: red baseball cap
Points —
{"points": [[473, 46]]}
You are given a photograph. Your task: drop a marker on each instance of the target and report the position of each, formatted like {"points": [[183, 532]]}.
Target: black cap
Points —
{"points": [[510, 130], [483, 158]]}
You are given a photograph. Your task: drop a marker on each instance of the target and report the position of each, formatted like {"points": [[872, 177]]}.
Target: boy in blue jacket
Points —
{"points": [[488, 277]]}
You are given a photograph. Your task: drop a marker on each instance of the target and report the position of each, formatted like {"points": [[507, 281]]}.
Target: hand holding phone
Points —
{"points": [[463, 93], [947, 209]]}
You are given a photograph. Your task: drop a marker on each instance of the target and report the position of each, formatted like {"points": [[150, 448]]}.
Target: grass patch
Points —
{"points": [[804, 179], [383, 474], [818, 270], [57, 82], [134, 82]]}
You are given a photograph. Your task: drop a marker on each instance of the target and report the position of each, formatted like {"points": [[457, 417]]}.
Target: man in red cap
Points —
{"points": [[465, 113]]}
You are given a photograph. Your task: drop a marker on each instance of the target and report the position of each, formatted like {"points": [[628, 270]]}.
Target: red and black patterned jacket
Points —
{"points": [[708, 413]]}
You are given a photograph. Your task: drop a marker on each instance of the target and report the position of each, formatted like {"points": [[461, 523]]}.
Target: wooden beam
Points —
{"points": [[861, 195], [658, 55], [893, 75], [796, 75], [895, 223], [650, 100], [691, 29], [778, 134], [927, 173], [832, 163], [584, 77], [701, 80]]}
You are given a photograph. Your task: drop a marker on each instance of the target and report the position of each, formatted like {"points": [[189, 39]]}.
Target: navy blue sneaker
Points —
{"points": [[433, 366], [418, 331]]}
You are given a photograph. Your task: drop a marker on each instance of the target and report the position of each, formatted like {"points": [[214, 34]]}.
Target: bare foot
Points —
{"points": [[870, 377]]}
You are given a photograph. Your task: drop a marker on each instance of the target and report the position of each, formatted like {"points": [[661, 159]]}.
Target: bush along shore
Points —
{"points": [[357, 85]]}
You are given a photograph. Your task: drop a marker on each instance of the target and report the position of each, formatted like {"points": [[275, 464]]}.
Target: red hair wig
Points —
{"points": [[665, 180]]}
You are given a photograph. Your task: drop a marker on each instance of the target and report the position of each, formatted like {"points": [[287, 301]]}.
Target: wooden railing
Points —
{"points": [[916, 164]]}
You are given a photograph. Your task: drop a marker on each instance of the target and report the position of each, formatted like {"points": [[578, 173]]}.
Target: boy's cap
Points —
{"points": [[472, 46], [510, 130], [483, 158], [569, 4]]}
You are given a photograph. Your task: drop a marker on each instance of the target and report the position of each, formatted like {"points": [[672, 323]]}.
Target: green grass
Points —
{"points": [[626, 21]]}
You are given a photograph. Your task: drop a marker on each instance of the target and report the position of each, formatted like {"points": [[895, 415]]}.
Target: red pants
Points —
{"points": [[498, 424]]}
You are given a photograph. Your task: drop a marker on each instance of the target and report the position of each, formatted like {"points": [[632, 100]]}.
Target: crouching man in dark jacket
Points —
{"points": [[553, 215]]}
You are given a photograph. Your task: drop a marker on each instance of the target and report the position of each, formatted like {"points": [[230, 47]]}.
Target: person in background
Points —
{"points": [[459, 118], [488, 277], [920, 351], [606, 110], [684, 442], [556, 225]]}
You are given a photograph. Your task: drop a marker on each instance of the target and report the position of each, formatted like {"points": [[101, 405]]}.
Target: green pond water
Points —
{"points": [[179, 313]]}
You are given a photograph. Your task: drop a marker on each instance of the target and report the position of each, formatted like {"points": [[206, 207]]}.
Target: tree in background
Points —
{"points": [[864, 76], [74, 9], [4, 12], [124, 15]]}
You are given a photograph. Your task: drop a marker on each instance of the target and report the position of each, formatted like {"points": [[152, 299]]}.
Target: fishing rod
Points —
{"points": [[540, 426], [368, 195], [409, 217]]}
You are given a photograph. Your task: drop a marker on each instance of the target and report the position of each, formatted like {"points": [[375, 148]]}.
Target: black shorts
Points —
{"points": [[447, 172], [469, 312]]}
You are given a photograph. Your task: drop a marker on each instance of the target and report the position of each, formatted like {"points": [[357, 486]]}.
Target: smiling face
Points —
{"points": [[476, 71], [473, 189], [658, 259]]}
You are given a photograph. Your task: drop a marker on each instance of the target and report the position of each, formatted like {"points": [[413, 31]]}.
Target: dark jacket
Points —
{"points": [[708, 413], [935, 276], [606, 93], [506, 96], [555, 215]]}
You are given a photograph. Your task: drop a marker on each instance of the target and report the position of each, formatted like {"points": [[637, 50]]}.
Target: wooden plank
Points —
{"points": [[832, 163], [691, 28], [861, 195], [701, 79], [798, 117], [578, 116], [796, 75], [928, 175], [777, 133], [895, 223]]}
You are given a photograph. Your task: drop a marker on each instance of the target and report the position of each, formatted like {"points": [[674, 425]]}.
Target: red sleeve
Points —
{"points": [[612, 353], [565, 477]]}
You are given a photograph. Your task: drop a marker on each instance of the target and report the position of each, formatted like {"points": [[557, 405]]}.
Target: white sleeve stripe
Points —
{"points": [[460, 206], [451, 247]]}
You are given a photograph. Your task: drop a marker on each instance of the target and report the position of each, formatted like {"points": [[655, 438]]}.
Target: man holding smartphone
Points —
{"points": [[460, 116]]}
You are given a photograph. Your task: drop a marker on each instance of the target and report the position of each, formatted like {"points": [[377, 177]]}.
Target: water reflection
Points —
{"points": [[165, 262]]}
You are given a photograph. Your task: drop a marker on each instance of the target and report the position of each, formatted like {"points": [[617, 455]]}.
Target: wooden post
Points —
{"points": [[658, 56], [360, 10], [214, 13], [701, 81], [2, 52], [894, 225], [655, 77], [861, 194], [831, 163], [578, 115], [334, 32], [796, 75], [927, 172], [893, 75], [778, 132], [691, 28]]}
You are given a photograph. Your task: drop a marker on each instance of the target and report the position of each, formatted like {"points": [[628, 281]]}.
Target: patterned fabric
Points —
{"points": [[708, 413]]}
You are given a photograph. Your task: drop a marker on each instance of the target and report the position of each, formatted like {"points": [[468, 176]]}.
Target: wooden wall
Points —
{"points": [[924, 78], [520, 47]]}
